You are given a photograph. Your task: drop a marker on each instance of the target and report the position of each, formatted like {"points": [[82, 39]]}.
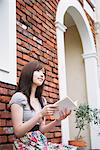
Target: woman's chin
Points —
{"points": [[39, 84]]}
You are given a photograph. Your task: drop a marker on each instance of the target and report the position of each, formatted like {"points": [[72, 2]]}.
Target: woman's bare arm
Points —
{"points": [[21, 128], [46, 128]]}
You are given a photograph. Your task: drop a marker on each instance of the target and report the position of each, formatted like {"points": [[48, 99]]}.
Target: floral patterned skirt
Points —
{"points": [[35, 140]]}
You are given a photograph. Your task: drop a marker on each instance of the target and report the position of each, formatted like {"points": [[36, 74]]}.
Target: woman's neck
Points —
{"points": [[33, 91]]}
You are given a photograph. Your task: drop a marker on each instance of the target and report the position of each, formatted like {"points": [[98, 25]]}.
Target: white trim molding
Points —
{"points": [[8, 63], [74, 8], [89, 55], [60, 26], [97, 27], [60, 29], [89, 10]]}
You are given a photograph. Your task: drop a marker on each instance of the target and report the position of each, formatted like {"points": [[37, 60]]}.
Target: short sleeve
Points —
{"points": [[18, 98], [44, 101]]}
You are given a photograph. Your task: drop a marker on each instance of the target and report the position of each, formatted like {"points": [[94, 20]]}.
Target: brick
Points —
{"points": [[46, 55], [18, 17], [41, 18], [3, 139], [39, 41], [6, 147], [3, 91], [19, 54], [26, 57], [29, 8], [57, 134], [21, 61], [37, 9], [40, 6], [36, 29], [56, 140], [4, 115], [20, 13], [1, 131], [55, 70], [54, 3], [48, 16], [55, 80], [49, 73], [56, 129], [45, 93], [21, 2], [52, 84], [47, 67], [45, 26], [19, 28], [20, 36], [8, 130], [33, 21], [49, 135], [2, 122], [17, 5], [50, 24], [53, 95], [50, 43], [28, 2], [19, 41], [11, 138], [49, 89], [44, 60], [4, 99], [49, 6], [24, 10], [9, 123], [55, 61], [2, 106], [49, 78]]}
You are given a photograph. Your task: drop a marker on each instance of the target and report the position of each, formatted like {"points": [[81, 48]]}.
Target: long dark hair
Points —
{"points": [[26, 80]]}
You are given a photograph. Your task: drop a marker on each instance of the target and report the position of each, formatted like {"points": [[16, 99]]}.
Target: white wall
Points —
{"points": [[75, 72], [97, 29]]}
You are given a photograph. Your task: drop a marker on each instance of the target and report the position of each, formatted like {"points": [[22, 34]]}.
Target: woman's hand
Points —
{"points": [[49, 110], [63, 114]]}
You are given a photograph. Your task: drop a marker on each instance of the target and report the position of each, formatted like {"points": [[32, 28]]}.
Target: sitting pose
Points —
{"points": [[29, 110]]}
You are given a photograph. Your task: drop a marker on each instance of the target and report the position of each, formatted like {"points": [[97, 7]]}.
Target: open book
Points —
{"points": [[64, 103]]}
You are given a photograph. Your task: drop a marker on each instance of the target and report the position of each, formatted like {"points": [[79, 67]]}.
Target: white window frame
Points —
{"points": [[8, 64]]}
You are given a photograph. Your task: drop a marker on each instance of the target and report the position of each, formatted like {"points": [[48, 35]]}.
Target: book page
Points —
{"points": [[66, 103]]}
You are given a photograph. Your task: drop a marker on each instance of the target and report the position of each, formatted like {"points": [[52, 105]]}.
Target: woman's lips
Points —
{"points": [[40, 79]]}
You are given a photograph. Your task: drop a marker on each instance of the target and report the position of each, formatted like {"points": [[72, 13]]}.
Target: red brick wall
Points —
{"points": [[36, 40], [6, 131]]}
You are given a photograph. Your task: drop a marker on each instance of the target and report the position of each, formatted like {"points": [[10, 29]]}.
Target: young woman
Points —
{"points": [[29, 110]]}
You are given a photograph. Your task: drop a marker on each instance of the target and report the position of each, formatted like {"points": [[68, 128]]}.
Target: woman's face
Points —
{"points": [[38, 77]]}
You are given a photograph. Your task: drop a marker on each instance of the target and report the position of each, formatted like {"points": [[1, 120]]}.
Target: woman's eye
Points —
{"points": [[42, 71]]}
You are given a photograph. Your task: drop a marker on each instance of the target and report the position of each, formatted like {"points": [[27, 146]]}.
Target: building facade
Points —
{"points": [[60, 34]]}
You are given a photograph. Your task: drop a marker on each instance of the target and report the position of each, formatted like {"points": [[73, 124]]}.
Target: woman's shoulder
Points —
{"points": [[18, 98]]}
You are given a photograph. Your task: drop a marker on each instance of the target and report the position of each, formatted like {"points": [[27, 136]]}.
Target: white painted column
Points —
{"points": [[60, 29], [92, 83]]}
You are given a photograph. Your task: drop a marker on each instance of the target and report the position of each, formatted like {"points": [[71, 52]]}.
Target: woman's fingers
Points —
{"points": [[67, 112], [64, 114], [52, 108], [49, 109]]}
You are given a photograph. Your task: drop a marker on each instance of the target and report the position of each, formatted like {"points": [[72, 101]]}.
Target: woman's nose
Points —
{"points": [[42, 75]]}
